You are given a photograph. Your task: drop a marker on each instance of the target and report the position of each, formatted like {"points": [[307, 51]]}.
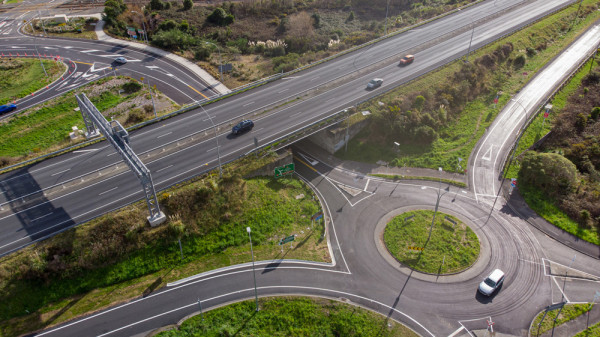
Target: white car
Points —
{"points": [[121, 60], [374, 83], [492, 282]]}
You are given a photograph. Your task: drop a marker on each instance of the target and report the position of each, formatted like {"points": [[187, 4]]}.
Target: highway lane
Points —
{"points": [[272, 125]]}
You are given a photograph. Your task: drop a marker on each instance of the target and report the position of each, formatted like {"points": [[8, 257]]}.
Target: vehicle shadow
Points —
{"points": [[481, 298]]}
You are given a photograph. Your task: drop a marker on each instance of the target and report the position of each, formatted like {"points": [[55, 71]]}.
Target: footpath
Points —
{"points": [[210, 81]]}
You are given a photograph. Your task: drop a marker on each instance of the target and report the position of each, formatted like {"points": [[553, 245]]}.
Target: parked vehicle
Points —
{"points": [[374, 83], [7, 108], [492, 282], [242, 127], [406, 60]]}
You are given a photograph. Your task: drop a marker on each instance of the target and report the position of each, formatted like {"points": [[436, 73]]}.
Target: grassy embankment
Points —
{"points": [[46, 127], [452, 247], [283, 316], [568, 313], [541, 202], [535, 45], [118, 257], [20, 77]]}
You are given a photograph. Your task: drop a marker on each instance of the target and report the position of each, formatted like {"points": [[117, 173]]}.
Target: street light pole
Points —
{"points": [[36, 50], [217, 139], [471, 40], [387, 9], [220, 60], [437, 204], [253, 271]]}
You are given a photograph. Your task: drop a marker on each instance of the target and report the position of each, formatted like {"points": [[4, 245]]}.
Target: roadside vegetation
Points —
{"points": [[118, 257], [453, 247], [592, 331], [568, 313], [290, 316], [19, 77], [560, 179], [439, 117], [402, 177], [45, 128], [76, 27], [260, 38]]}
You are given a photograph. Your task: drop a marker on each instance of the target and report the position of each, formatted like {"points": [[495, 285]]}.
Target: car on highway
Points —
{"points": [[242, 127], [7, 108], [121, 60], [406, 60], [491, 283], [374, 83]]}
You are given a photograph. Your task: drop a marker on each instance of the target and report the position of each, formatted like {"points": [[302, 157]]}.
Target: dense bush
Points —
{"points": [[188, 4], [220, 17], [549, 172], [173, 40], [132, 86]]}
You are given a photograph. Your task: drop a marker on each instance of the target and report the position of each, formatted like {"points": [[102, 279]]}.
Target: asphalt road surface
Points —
{"points": [[41, 199]]}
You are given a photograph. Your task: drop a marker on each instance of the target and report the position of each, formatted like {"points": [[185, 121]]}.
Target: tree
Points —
{"points": [[220, 17], [112, 9], [188, 4], [156, 5], [551, 173]]}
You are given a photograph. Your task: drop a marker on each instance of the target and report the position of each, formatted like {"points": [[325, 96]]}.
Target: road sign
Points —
{"points": [[283, 170], [513, 182], [317, 216], [555, 306], [287, 239]]}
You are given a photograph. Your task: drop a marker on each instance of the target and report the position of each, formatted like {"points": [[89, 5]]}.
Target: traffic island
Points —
{"points": [[448, 247]]}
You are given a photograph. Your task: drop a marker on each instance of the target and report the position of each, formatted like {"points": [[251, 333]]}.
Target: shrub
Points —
{"points": [[188, 4], [580, 122], [167, 25], [220, 17], [595, 113], [316, 20], [519, 62], [425, 133], [184, 26], [550, 172], [350, 17], [202, 53], [591, 78], [173, 40], [131, 87], [155, 5], [135, 116], [531, 52]]}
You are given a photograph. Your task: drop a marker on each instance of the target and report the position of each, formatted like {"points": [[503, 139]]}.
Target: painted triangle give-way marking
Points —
{"points": [[488, 154]]}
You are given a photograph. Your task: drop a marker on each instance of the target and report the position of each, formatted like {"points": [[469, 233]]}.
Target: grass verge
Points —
{"points": [[401, 177], [451, 249], [592, 331], [568, 313], [290, 316], [45, 128], [20, 77], [117, 257], [546, 207], [459, 135]]}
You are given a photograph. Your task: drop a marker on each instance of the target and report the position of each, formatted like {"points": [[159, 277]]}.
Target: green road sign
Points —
{"points": [[286, 240], [283, 170]]}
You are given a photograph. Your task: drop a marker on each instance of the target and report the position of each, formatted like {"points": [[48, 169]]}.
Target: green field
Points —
{"points": [[20, 77], [451, 249], [283, 316]]}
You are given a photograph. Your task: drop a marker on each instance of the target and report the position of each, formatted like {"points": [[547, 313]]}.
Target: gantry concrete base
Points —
{"points": [[157, 220]]}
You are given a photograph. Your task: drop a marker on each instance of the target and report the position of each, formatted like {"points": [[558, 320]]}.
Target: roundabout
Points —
{"points": [[442, 245]]}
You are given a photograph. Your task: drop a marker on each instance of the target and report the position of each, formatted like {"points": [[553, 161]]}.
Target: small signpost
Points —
{"points": [[547, 113], [286, 240], [450, 220], [513, 184], [408, 218], [283, 170], [316, 217]]}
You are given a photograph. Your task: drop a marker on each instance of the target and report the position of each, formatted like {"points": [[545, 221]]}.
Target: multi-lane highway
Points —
{"points": [[65, 190], [32, 207]]}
